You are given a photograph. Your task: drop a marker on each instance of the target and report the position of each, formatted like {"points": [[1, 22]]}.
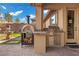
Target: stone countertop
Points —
{"points": [[41, 32]]}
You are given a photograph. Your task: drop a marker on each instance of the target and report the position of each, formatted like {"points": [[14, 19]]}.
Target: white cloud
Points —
{"points": [[3, 7], [32, 16], [23, 20], [16, 13], [45, 11], [1, 15]]}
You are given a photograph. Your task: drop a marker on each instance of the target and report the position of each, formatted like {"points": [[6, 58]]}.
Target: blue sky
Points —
{"points": [[18, 10]]}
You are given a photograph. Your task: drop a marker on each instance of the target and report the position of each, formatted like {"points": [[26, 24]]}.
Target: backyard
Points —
{"points": [[14, 38], [3, 36]]}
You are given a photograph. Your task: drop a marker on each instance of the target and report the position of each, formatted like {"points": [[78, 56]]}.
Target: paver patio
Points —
{"points": [[16, 50]]}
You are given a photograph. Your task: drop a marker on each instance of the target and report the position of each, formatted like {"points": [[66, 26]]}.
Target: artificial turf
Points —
{"points": [[13, 41]]}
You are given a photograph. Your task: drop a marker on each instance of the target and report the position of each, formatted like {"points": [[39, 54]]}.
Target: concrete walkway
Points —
{"points": [[16, 50], [12, 38]]}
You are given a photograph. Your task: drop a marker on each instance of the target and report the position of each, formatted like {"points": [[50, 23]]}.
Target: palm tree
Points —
{"points": [[8, 17]]}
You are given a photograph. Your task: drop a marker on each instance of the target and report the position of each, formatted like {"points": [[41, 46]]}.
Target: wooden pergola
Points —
{"points": [[61, 9], [40, 18]]}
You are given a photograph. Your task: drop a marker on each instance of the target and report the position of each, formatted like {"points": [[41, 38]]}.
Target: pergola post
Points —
{"points": [[61, 18], [39, 17]]}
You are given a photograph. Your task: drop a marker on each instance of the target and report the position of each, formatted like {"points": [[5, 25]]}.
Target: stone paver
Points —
{"points": [[17, 50]]}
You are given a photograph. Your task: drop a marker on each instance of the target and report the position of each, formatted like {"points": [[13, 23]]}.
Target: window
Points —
{"points": [[45, 12], [54, 19]]}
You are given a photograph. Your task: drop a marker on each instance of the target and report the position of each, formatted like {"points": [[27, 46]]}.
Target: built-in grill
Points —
{"points": [[55, 35]]}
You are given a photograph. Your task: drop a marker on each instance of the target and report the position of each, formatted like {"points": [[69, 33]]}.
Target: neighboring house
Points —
{"points": [[15, 28]]}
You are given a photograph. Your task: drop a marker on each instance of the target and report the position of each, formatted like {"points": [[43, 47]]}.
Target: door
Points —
{"points": [[71, 20]]}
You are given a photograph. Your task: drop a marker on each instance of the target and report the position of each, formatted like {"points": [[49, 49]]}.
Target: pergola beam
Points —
{"points": [[50, 13]]}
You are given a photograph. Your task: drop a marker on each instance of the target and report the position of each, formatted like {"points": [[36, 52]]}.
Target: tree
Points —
{"points": [[17, 20], [8, 32], [8, 17]]}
